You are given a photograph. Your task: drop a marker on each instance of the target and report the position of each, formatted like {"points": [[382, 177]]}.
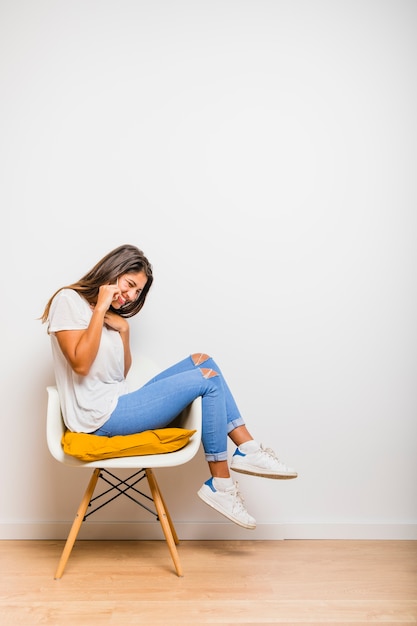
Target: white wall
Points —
{"points": [[263, 155]]}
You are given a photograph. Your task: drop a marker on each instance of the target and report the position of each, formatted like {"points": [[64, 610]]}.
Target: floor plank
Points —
{"points": [[124, 583]]}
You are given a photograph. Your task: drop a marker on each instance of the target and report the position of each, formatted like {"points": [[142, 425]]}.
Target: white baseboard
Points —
{"points": [[208, 531]]}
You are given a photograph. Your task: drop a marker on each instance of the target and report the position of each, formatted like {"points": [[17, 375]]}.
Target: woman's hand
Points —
{"points": [[115, 322], [106, 295]]}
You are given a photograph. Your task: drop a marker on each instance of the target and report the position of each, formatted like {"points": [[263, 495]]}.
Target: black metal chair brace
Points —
{"points": [[121, 492]]}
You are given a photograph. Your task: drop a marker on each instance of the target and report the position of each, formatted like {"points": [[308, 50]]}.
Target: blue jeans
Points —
{"points": [[162, 398]]}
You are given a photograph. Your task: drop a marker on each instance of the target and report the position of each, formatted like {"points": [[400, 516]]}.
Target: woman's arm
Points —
{"points": [[80, 347], [125, 335], [120, 324]]}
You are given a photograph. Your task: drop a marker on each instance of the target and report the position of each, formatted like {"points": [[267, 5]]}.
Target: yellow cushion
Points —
{"points": [[94, 447]]}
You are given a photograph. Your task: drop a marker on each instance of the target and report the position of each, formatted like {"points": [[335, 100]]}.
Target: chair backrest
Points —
{"points": [[143, 368], [55, 426]]}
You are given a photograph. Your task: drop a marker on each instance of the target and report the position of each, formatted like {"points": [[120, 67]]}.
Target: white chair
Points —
{"points": [[143, 465]]}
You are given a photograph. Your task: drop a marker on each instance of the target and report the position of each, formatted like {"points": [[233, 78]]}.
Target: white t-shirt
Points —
{"points": [[86, 401]]}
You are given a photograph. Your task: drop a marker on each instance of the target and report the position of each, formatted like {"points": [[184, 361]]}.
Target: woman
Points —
{"points": [[89, 330]]}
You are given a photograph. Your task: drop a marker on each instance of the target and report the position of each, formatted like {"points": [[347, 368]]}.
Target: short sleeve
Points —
{"points": [[69, 311]]}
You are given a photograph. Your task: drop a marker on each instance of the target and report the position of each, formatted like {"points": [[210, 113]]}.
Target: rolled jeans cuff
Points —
{"points": [[223, 456], [217, 456], [239, 421]]}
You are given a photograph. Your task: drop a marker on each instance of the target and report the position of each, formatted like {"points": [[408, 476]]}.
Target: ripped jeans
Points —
{"points": [[163, 397]]}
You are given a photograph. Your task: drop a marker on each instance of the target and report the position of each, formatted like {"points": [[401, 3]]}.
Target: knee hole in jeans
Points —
{"points": [[208, 372], [199, 357]]}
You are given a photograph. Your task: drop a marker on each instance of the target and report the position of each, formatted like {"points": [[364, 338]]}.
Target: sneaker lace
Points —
{"points": [[238, 500], [269, 452]]}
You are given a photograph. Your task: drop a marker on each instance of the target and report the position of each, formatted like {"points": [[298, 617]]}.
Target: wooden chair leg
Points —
{"points": [[168, 516], [77, 523], [165, 520]]}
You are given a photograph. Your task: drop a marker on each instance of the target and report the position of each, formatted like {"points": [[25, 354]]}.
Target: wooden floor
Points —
{"points": [[124, 583]]}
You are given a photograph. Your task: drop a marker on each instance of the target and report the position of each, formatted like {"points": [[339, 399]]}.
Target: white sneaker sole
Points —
{"points": [[219, 509], [256, 471]]}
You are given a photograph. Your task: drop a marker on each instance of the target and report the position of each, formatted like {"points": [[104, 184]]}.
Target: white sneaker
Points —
{"points": [[263, 462], [229, 503]]}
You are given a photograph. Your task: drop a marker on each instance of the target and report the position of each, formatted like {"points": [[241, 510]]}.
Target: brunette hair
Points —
{"points": [[121, 260]]}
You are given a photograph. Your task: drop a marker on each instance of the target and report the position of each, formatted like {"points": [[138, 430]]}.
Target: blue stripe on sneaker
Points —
{"points": [[209, 483], [238, 453]]}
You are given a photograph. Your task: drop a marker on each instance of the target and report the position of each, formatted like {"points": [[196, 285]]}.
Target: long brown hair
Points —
{"points": [[121, 260]]}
